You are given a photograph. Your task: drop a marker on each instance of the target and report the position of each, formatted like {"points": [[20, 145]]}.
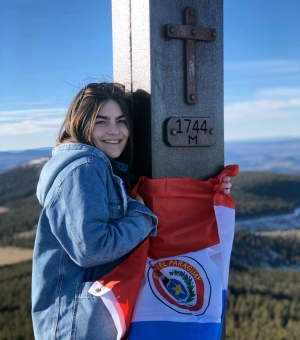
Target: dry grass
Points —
{"points": [[11, 255], [26, 234], [3, 210]]}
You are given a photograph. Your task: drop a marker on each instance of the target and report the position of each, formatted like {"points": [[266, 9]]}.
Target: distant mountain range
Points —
{"points": [[281, 156], [268, 156], [12, 159]]}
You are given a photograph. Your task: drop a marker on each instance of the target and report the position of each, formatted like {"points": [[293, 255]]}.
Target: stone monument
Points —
{"points": [[169, 54]]}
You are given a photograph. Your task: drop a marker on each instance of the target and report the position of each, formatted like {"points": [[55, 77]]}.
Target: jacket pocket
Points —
{"points": [[91, 319], [115, 208]]}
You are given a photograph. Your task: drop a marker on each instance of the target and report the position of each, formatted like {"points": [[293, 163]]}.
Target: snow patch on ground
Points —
{"points": [[37, 161], [271, 223]]}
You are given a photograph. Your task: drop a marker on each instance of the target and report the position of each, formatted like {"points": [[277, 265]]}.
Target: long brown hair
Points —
{"points": [[81, 116]]}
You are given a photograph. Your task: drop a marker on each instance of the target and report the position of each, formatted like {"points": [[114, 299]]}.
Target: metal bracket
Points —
{"points": [[190, 32]]}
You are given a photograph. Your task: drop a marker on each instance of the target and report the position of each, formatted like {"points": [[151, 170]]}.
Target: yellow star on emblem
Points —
{"points": [[177, 289]]}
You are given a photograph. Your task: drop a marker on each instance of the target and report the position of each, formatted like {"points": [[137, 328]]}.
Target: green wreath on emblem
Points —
{"points": [[188, 281]]}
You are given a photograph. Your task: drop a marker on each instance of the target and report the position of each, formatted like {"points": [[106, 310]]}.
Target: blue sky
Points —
{"points": [[49, 49]]}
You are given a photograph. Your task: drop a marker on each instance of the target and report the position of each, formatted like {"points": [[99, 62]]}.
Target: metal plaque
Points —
{"points": [[189, 131]]}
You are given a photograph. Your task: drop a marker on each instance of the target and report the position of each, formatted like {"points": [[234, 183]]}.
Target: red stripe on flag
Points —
{"points": [[131, 272], [185, 211]]}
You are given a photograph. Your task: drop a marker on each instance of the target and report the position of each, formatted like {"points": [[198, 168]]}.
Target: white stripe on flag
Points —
{"points": [[112, 305], [225, 221], [151, 306]]}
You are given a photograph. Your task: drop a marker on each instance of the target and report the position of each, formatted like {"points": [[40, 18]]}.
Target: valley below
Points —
{"points": [[281, 225], [263, 293]]}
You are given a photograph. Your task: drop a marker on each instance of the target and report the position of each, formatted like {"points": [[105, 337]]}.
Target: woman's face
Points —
{"points": [[110, 133]]}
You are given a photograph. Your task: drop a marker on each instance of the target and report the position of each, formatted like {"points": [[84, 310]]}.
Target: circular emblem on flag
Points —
{"points": [[181, 283]]}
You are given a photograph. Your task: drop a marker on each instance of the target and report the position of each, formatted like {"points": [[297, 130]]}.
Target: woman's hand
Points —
{"points": [[139, 198], [226, 185]]}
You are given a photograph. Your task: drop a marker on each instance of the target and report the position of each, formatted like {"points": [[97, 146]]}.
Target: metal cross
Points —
{"points": [[190, 32]]}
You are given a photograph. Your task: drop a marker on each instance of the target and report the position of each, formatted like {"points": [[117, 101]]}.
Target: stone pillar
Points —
{"points": [[153, 66]]}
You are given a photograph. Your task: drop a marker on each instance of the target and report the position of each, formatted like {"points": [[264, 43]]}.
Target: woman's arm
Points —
{"points": [[87, 224]]}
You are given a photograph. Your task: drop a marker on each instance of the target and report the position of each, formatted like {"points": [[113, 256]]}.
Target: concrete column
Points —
{"points": [[153, 68], [144, 59]]}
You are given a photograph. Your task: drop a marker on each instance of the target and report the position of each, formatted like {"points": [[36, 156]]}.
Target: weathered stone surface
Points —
{"points": [[145, 60]]}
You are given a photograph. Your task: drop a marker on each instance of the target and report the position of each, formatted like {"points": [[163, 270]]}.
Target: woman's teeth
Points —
{"points": [[111, 141]]}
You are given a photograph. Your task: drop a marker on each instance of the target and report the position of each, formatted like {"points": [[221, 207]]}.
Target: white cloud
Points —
{"points": [[28, 127], [279, 92], [29, 122], [267, 103], [7, 116], [266, 73], [264, 67], [263, 108], [268, 113]]}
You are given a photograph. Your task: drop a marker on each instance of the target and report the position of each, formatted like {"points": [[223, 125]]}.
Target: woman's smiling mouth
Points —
{"points": [[112, 141]]}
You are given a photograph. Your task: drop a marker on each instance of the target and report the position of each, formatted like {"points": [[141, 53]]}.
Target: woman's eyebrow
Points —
{"points": [[106, 117]]}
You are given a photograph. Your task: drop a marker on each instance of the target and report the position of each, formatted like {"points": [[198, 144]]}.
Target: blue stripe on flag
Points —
{"points": [[224, 295], [163, 330]]}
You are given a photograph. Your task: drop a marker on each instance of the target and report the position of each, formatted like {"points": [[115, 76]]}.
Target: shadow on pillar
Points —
{"points": [[143, 148], [141, 116]]}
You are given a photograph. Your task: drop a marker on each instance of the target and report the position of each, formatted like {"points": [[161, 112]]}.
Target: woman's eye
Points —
{"points": [[100, 122], [122, 121]]}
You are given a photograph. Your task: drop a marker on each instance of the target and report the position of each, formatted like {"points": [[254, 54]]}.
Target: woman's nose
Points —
{"points": [[113, 129]]}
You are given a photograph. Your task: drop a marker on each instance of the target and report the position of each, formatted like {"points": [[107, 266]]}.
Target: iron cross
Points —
{"points": [[190, 32]]}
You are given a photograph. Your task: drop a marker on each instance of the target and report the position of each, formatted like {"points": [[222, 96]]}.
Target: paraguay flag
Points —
{"points": [[173, 286]]}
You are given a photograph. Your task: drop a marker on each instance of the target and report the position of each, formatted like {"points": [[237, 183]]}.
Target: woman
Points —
{"points": [[88, 224]]}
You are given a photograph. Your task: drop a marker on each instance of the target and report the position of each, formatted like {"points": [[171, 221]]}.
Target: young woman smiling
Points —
{"points": [[88, 224]]}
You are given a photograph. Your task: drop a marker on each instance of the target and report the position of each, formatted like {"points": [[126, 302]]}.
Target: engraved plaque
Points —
{"points": [[189, 131]]}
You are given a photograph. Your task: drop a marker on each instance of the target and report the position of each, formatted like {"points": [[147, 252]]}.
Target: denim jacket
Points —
{"points": [[86, 228]]}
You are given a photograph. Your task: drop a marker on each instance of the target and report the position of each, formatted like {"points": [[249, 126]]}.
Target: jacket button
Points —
{"points": [[119, 211]]}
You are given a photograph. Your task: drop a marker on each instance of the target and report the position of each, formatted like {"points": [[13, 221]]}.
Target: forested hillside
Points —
{"points": [[15, 304], [263, 304], [255, 194], [256, 251], [260, 193], [18, 198]]}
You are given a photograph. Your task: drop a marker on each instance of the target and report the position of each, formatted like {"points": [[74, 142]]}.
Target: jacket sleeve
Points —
{"points": [[80, 219]]}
